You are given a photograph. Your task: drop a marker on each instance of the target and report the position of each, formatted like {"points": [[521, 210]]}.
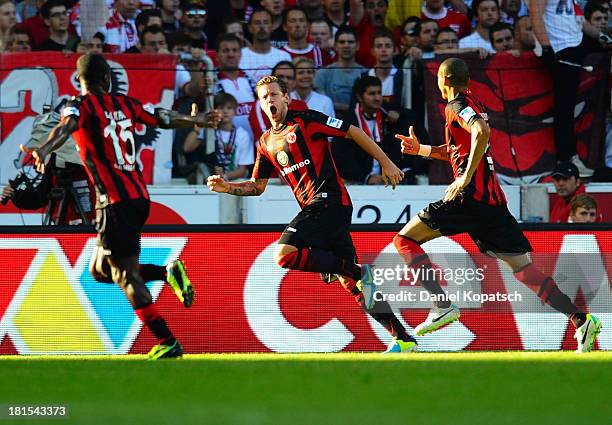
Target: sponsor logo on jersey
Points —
{"points": [[291, 137], [334, 122], [467, 113], [294, 167], [282, 158]]}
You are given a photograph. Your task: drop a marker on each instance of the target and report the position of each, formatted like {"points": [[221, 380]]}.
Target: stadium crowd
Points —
{"points": [[360, 60]]}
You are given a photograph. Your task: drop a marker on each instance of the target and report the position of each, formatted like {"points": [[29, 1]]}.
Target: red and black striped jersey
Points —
{"points": [[461, 113], [300, 151], [105, 141]]}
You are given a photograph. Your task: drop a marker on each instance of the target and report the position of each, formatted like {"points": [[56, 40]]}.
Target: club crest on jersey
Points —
{"points": [[282, 158], [291, 137], [334, 122]]}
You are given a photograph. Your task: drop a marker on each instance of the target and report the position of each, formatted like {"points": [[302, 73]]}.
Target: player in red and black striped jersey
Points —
{"points": [[318, 238], [102, 125], [474, 203]]}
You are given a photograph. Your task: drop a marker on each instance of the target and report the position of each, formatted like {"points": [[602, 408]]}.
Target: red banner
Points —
{"points": [[244, 302], [517, 93], [30, 80]]}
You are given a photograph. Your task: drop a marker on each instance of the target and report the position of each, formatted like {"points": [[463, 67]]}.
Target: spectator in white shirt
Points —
{"points": [[259, 59], [120, 30], [487, 14], [304, 89]]}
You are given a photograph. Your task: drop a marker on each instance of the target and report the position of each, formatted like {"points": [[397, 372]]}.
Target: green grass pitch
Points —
{"points": [[313, 389]]}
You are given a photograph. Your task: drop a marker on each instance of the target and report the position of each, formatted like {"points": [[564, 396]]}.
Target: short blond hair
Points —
{"points": [[270, 79]]}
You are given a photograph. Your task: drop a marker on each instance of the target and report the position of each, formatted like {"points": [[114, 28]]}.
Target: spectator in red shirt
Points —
{"points": [[567, 183], [367, 16], [458, 22]]}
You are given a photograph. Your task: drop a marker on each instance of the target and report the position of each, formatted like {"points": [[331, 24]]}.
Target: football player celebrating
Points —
{"points": [[475, 204], [318, 238]]}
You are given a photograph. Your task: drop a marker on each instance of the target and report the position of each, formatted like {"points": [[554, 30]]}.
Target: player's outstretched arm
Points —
{"points": [[171, 119], [57, 137], [253, 187], [390, 172], [411, 146]]}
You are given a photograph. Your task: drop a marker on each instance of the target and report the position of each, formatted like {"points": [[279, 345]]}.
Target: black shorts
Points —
{"points": [[119, 226], [322, 226], [491, 227]]}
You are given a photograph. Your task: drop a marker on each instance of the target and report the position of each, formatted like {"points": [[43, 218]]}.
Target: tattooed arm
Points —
{"points": [[253, 187]]}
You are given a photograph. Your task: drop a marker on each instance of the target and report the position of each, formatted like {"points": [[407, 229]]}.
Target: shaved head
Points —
{"points": [[456, 71]]}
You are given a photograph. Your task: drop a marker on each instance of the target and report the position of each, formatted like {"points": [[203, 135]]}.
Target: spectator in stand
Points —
{"points": [[567, 183], [178, 43], [260, 122], [392, 81], [598, 16], [447, 39], [304, 87], [169, 10], [502, 39], [337, 80], [335, 15], [232, 25], [446, 18], [96, 45], [321, 36], [366, 16], [193, 20], [295, 22], [583, 209], [447, 43], [313, 9], [234, 148], [19, 42], [120, 30], [148, 18], [151, 40], [486, 13], [354, 164], [560, 36], [277, 34], [8, 20], [523, 35], [233, 80], [259, 58], [408, 37], [56, 15], [36, 28], [425, 32]]}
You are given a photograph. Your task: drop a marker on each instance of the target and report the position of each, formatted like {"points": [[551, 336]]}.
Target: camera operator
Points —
{"points": [[65, 191]]}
